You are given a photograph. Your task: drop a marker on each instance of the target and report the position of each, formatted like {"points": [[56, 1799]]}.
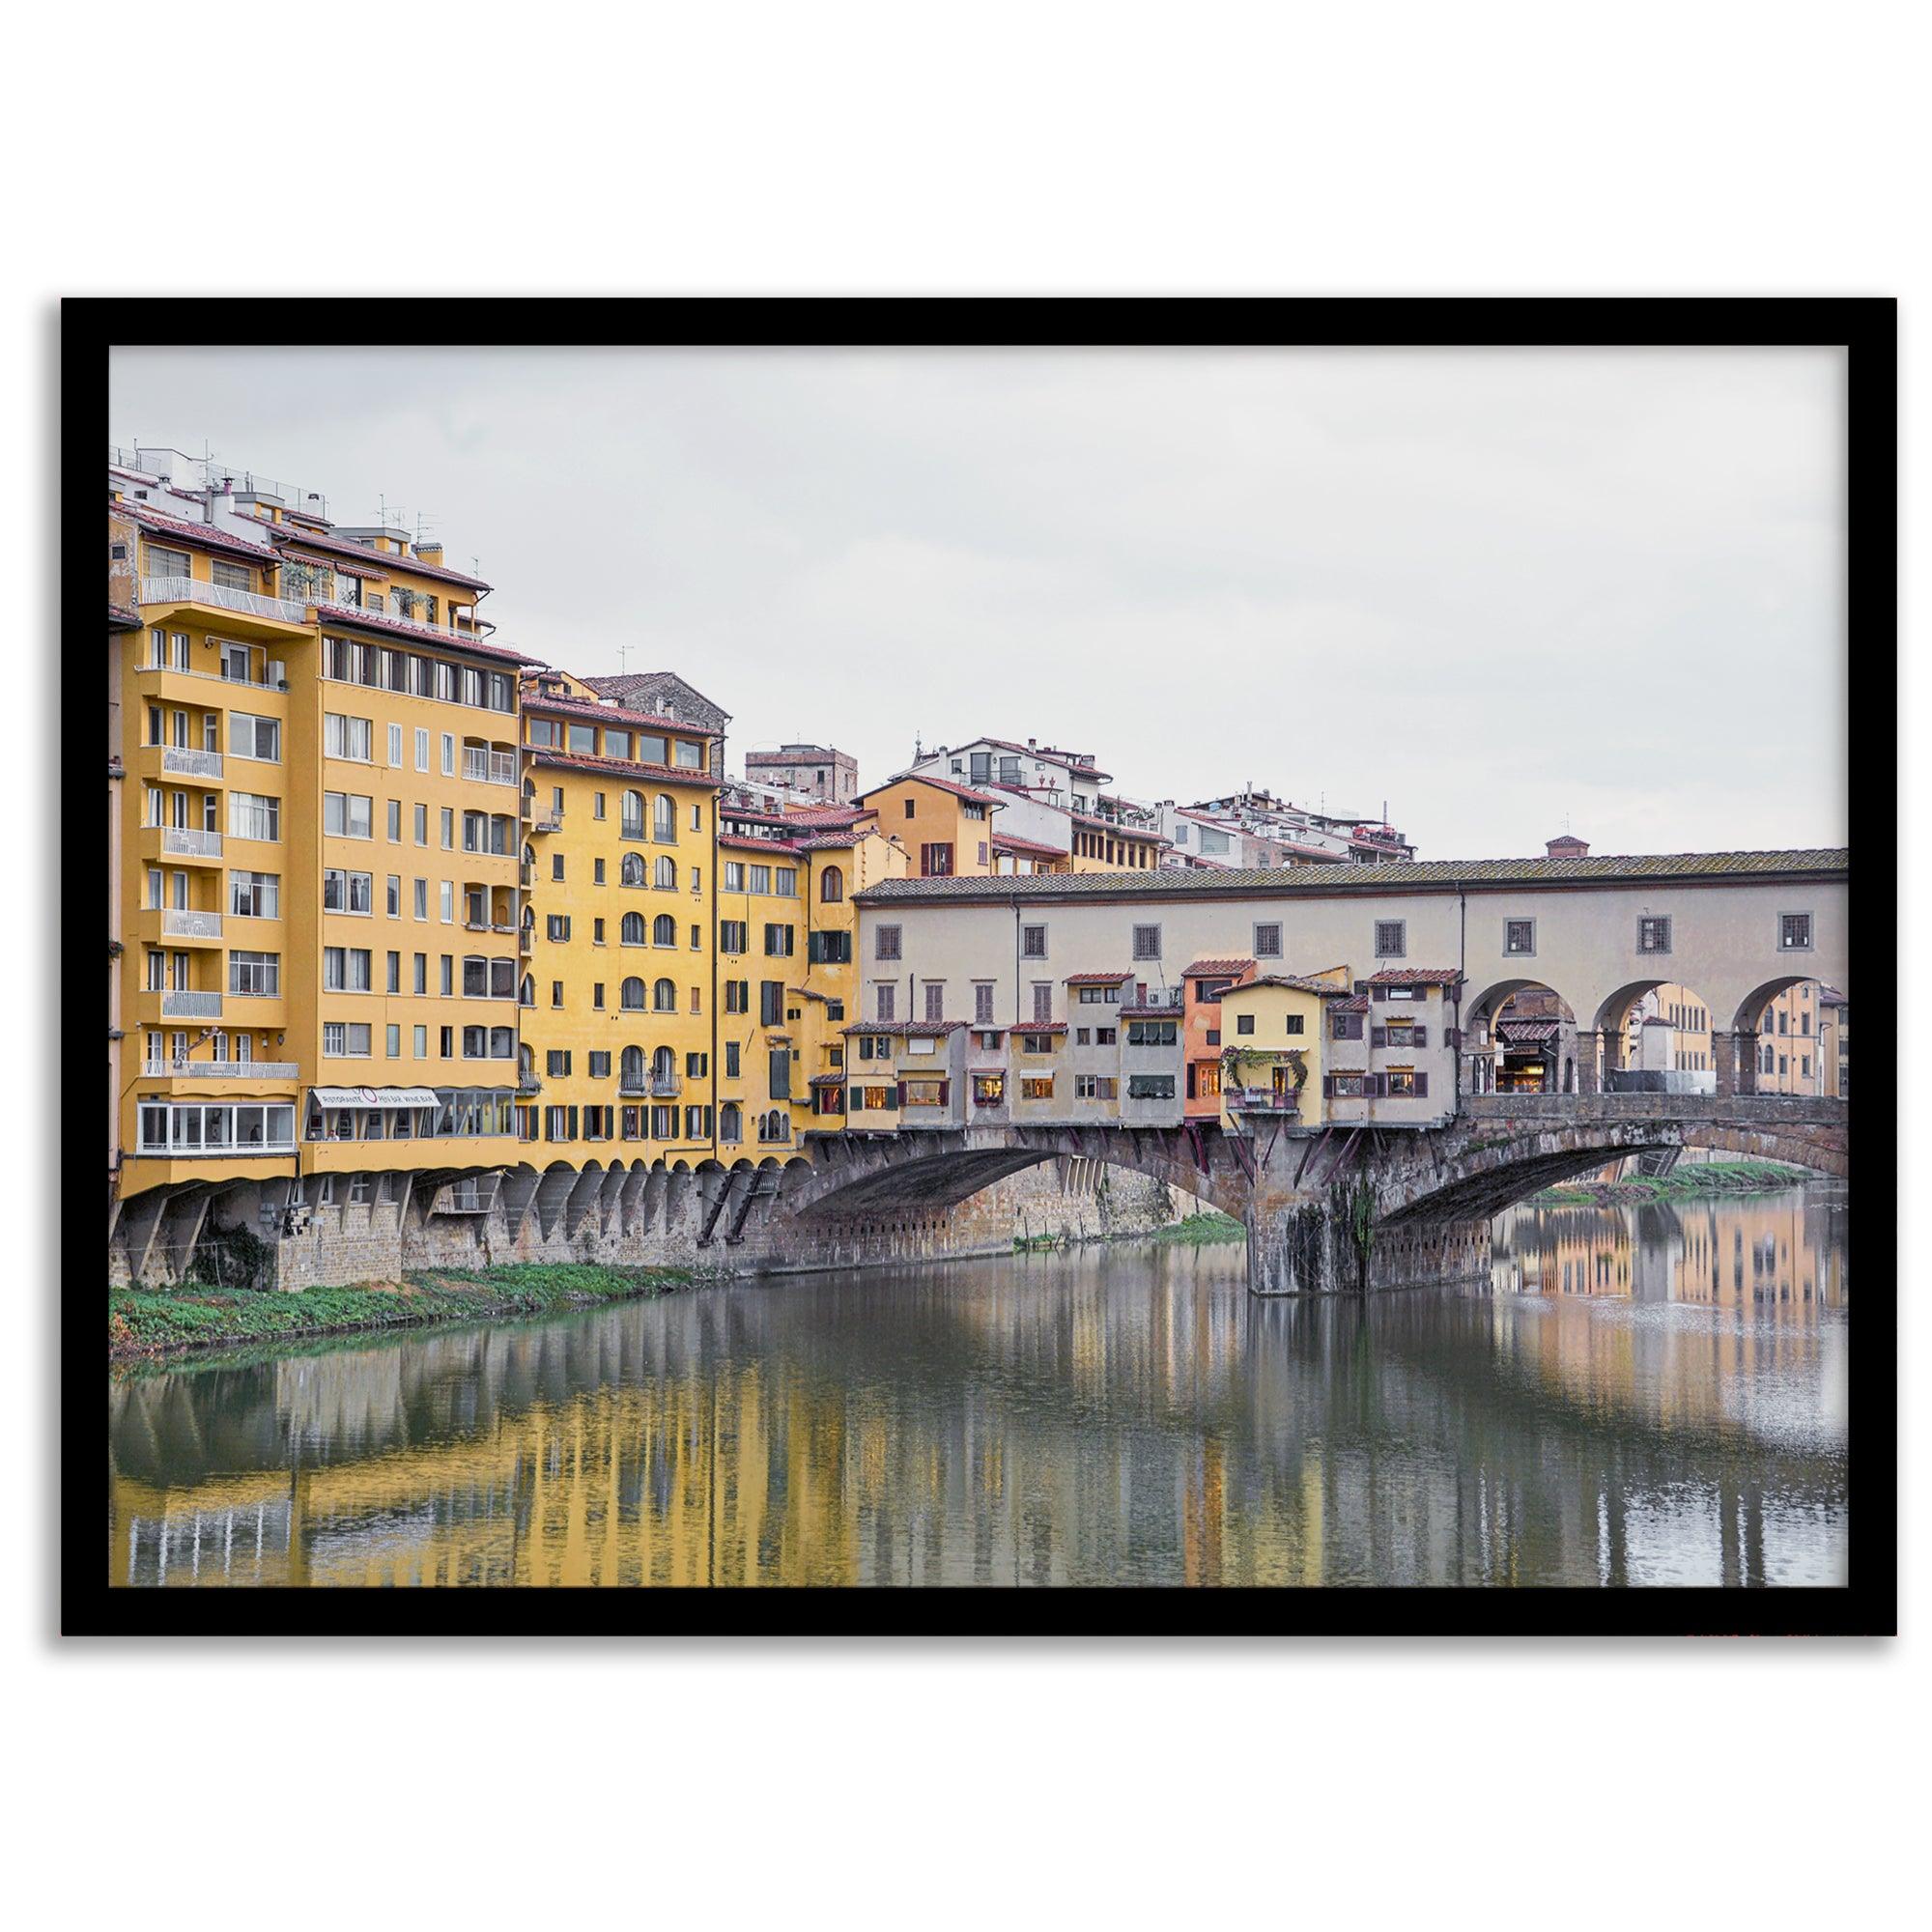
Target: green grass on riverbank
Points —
{"points": [[1704, 1180], [1200, 1231], [150, 1321]]}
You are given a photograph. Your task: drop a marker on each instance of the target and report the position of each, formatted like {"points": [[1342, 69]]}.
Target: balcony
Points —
{"points": [[667, 1086], [222, 1069], [191, 1006], [178, 925], [546, 820], [1262, 1101], [528, 1083], [632, 1087], [219, 597], [489, 767], [182, 841], [190, 763], [524, 939]]}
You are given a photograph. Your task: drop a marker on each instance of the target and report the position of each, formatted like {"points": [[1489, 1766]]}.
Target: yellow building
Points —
{"points": [[1668, 1029], [1792, 1051], [319, 747], [1274, 1043], [620, 855], [947, 829]]}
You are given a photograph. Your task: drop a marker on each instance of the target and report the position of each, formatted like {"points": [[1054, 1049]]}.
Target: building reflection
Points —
{"points": [[1108, 1416]]}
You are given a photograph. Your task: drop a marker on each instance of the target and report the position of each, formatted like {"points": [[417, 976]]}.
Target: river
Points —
{"points": [[1650, 1395]]}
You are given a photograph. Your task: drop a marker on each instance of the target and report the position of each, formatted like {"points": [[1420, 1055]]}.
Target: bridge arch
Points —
{"points": [[1519, 1036]]}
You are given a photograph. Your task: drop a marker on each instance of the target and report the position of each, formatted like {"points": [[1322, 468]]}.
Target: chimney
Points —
{"points": [[1567, 847], [430, 552]]}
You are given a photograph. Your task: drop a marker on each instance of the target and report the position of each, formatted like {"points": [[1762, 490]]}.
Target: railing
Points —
{"points": [[548, 821], [528, 1083], [223, 1069], [1262, 1101], [247, 603], [524, 939], [185, 842], [178, 925], [667, 1086], [191, 1006], [191, 763], [489, 767]]}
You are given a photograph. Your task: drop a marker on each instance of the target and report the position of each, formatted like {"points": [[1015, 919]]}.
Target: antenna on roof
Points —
{"points": [[623, 652]]}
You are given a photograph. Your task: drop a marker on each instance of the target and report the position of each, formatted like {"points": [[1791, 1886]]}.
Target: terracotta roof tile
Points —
{"points": [[744, 843], [204, 536], [966, 792], [1026, 848], [1415, 975], [1295, 982], [388, 563], [1038, 1025], [914, 1029], [549, 759], [342, 614], [1097, 978], [1213, 969], [611, 714]]}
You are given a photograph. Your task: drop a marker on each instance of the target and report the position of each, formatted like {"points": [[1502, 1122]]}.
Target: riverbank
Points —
{"points": [[1197, 1231], [1704, 1180], [146, 1322]]}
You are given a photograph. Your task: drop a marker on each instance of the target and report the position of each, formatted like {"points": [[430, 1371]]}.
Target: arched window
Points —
{"points": [[665, 872], [663, 820], [631, 996], [631, 931], [527, 993], [731, 1122], [631, 1069], [663, 996], [631, 871], [633, 826], [831, 885], [664, 1065], [663, 930], [530, 853]]}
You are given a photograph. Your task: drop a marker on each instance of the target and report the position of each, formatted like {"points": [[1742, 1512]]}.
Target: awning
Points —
{"points": [[374, 1097]]}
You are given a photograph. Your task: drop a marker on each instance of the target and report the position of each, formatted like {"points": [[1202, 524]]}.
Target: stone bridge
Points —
{"points": [[1351, 1207]]}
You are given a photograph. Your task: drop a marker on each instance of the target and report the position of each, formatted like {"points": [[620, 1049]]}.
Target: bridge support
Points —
{"points": [[1328, 1247]]}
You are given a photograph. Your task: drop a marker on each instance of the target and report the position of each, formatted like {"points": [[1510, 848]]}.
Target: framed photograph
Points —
{"points": [[1171, 967]]}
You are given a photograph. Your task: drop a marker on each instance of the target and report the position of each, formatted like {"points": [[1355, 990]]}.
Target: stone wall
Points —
{"points": [[663, 1226]]}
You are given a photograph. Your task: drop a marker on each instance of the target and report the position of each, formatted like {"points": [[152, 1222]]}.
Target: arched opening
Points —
{"points": [[631, 1070], [631, 872], [663, 820], [831, 885], [664, 874], [1519, 1037], [1658, 1036], [663, 930], [663, 1072], [664, 997], [631, 821], [631, 996], [631, 929], [1791, 1040], [731, 1124]]}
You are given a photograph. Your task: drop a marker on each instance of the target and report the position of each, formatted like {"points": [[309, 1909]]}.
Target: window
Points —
{"points": [[663, 820], [252, 737], [394, 980], [1518, 937], [557, 926], [663, 930], [831, 885], [253, 816], [448, 755], [1267, 942], [1042, 999], [446, 901], [420, 897], [345, 738], [1653, 935], [771, 1002], [1244, 1023], [1153, 1032], [935, 861], [1033, 942], [255, 895], [983, 1000], [664, 997], [886, 942], [556, 865], [346, 892], [1095, 1087], [883, 994], [1391, 938], [1794, 933], [663, 875], [345, 969], [935, 999], [254, 974], [1147, 942], [1036, 1087], [394, 902], [779, 941], [784, 882], [1149, 1086], [345, 1039], [1293, 1023], [346, 815]]}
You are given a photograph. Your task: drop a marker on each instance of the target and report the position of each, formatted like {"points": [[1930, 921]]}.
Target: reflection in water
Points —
{"points": [[1645, 1395]]}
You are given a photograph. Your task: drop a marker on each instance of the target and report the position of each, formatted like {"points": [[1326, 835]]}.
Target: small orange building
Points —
{"points": [[1203, 984]]}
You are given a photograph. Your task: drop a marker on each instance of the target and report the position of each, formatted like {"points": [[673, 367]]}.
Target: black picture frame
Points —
{"points": [[1864, 327]]}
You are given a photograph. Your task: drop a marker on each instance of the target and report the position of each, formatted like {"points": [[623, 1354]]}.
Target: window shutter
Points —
{"points": [[899, 1092], [1422, 1085], [1327, 1086], [1422, 1035], [944, 1092], [1452, 1035], [1378, 1036]]}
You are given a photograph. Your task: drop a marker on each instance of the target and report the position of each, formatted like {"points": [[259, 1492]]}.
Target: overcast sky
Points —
{"points": [[1506, 591]]}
